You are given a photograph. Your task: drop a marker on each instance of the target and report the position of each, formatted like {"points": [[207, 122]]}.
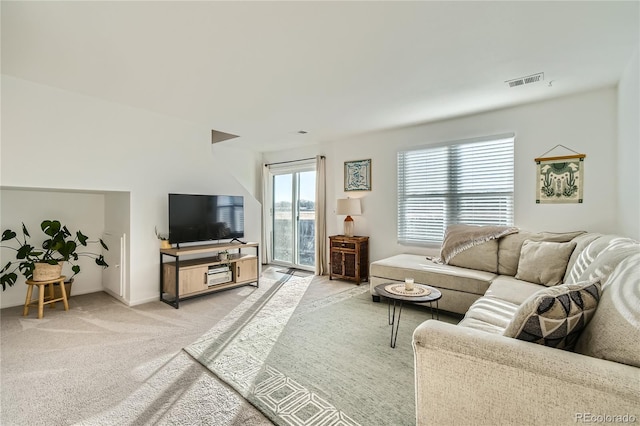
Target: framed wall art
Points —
{"points": [[357, 175]]}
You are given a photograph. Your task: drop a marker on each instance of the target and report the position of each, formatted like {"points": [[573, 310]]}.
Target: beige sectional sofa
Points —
{"points": [[488, 370]]}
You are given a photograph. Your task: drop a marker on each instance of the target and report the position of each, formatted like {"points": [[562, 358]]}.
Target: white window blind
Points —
{"points": [[467, 182]]}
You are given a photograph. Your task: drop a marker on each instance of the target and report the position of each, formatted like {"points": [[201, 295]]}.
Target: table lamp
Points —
{"points": [[349, 207]]}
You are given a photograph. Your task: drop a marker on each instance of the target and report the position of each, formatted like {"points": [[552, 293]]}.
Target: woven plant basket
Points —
{"points": [[45, 272], [67, 288]]}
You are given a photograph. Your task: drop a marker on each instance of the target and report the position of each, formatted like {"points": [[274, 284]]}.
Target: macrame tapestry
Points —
{"points": [[560, 179]]}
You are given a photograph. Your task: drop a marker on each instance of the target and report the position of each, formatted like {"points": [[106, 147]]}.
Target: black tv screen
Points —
{"points": [[194, 218]]}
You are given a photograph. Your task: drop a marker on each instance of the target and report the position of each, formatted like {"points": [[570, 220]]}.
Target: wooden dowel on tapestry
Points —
{"points": [[564, 157]]}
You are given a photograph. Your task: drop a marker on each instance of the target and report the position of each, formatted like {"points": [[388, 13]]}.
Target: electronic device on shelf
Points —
{"points": [[199, 218], [218, 274], [218, 278], [218, 269]]}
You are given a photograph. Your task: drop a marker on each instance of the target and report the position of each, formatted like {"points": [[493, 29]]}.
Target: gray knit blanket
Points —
{"points": [[458, 238]]}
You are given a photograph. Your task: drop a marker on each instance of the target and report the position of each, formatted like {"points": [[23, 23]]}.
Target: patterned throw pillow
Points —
{"points": [[555, 316]]}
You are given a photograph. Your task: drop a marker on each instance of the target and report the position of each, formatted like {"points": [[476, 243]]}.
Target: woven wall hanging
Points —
{"points": [[560, 179]]}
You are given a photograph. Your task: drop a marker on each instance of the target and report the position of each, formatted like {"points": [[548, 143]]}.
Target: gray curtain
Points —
{"points": [[321, 217], [266, 216]]}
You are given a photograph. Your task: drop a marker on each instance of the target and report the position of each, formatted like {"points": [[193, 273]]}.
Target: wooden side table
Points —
{"points": [[349, 257], [42, 300]]}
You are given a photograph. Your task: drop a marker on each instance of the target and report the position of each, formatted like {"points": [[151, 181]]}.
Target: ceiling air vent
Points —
{"points": [[534, 78]]}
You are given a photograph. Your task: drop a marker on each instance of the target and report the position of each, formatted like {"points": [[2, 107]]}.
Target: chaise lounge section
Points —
{"points": [[466, 276], [460, 287]]}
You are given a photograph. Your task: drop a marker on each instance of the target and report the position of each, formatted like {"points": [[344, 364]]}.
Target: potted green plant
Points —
{"points": [[223, 254], [164, 239], [40, 263]]}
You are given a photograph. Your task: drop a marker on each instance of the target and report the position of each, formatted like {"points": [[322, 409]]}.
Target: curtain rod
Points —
{"points": [[292, 161]]}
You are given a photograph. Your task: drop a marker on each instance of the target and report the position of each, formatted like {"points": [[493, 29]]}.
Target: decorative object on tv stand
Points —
{"points": [[164, 240], [45, 263], [349, 207], [357, 175], [560, 179]]}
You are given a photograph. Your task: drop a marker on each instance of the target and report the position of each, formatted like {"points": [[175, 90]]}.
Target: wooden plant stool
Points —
{"points": [[42, 300]]}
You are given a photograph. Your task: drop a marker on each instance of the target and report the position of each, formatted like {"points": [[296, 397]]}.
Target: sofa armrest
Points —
{"points": [[467, 376]]}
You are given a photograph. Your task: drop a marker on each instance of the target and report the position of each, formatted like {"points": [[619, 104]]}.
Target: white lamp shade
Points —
{"points": [[349, 206]]}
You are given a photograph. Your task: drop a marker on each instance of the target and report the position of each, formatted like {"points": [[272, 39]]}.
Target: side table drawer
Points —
{"points": [[343, 245]]}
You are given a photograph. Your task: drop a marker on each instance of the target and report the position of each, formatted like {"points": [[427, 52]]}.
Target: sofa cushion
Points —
{"points": [[614, 332], [601, 257], [555, 316], [509, 247], [424, 271], [481, 325], [544, 262], [483, 257], [582, 241], [511, 289], [489, 314]]}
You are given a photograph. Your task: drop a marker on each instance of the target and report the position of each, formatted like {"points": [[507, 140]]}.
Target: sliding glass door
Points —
{"points": [[294, 216]]}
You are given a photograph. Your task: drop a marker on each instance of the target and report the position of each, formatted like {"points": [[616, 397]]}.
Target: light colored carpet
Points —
{"points": [[316, 362], [104, 363]]}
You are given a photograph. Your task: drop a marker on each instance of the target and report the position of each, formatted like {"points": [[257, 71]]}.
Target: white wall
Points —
{"points": [[117, 223], [78, 211], [629, 150], [240, 164], [109, 147], [585, 123]]}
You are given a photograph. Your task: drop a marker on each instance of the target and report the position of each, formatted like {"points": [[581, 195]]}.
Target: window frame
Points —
{"points": [[407, 230]]}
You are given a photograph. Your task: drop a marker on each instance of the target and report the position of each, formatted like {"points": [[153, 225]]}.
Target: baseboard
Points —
{"points": [[141, 301], [117, 297]]}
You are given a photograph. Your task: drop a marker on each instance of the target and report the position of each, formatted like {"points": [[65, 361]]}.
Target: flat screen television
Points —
{"points": [[195, 218]]}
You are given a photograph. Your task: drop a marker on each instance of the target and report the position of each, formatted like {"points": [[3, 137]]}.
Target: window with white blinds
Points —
{"points": [[468, 181]]}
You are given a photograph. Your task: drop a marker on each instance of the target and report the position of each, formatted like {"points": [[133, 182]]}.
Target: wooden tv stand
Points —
{"points": [[188, 278]]}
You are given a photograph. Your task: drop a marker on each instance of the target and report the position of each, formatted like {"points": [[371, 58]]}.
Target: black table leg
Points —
{"points": [[437, 310], [393, 321]]}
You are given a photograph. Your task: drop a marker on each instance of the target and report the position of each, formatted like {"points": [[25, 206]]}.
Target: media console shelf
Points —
{"points": [[204, 272]]}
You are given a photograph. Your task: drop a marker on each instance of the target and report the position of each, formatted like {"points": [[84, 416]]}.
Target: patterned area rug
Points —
{"points": [[296, 272], [316, 362]]}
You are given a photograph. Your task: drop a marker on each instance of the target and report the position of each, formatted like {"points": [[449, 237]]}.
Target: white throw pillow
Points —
{"points": [[544, 262]]}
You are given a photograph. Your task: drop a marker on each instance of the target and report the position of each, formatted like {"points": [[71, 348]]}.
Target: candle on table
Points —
{"points": [[408, 284]]}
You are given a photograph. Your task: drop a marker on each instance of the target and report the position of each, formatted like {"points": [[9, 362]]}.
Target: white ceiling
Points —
{"points": [[264, 70]]}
